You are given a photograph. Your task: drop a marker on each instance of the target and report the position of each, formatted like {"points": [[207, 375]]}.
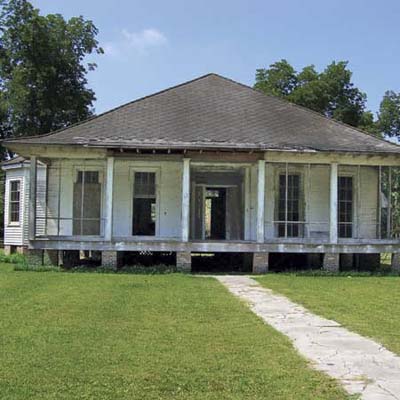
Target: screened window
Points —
{"points": [[87, 204], [345, 206], [15, 201], [144, 204], [88, 177], [289, 205]]}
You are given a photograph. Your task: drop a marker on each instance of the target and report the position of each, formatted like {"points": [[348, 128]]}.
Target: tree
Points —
{"points": [[43, 84], [330, 92], [279, 79], [389, 114]]}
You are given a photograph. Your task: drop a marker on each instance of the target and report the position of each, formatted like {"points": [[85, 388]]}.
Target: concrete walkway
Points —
{"points": [[362, 366]]}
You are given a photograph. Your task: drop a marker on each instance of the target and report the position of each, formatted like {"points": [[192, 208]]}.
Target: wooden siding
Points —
{"points": [[17, 234]]}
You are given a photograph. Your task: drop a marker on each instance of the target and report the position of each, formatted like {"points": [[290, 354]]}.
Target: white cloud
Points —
{"points": [[110, 49], [145, 38], [139, 41]]}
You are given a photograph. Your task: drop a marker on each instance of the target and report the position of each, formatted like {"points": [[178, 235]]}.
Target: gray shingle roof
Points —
{"points": [[214, 112]]}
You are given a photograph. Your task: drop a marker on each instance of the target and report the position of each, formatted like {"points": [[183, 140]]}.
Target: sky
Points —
{"points": [[153, 44]]}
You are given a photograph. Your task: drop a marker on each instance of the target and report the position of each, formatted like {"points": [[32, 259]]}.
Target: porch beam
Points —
{"points": [[32, 197], [356, 246], [333, 220], [294, 157], [260, 200], [185, 199], [109, 199]]}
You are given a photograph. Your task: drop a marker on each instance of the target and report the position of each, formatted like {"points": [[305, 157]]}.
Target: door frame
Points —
{"points": [[204, 187]]}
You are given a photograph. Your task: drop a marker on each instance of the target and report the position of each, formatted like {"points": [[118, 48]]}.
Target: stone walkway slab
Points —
{"points": [[362, 366]]}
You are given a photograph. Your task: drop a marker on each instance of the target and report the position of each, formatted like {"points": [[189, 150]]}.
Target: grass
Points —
{"points": [[101, 336], [367, 305]]}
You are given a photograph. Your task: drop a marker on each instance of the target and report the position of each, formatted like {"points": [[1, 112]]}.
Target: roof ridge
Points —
{"points": [[115, 108], [309, 110]]}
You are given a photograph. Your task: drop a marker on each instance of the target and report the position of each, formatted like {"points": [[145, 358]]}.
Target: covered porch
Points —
{"points": [[195, 202]]}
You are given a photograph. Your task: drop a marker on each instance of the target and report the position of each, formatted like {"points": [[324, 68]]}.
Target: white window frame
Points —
{"points": [[91, 168], [291, 170], [157, 171], [14, 223], [347, 173]]}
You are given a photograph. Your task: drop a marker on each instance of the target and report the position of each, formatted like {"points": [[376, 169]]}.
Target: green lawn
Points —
{"points": [[106, 336], [367, 305]]}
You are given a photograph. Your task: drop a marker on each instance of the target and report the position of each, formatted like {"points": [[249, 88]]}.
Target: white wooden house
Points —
{"points": [[209, 166]]}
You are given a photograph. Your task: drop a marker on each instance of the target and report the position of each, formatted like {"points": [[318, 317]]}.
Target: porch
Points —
{"points": [[256, 203]]}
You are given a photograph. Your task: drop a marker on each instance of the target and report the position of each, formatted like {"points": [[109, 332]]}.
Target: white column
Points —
{"points": [[260, 200], [185, 199], [333, 220], [109, 199], [32, 197]]}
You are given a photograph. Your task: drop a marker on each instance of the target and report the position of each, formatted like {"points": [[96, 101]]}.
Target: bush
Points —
{"points": [[129, 269], [15, 258], [321, 272], [24, 266]]}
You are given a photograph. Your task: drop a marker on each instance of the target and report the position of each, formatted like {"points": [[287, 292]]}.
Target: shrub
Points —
{"points": [[24, 266], [15, 258], [128, 269], [322, 272]]}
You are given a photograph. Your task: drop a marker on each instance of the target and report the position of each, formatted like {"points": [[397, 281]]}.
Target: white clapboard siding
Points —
{"points": [[40, 202], [13, 233], [17, 234]]}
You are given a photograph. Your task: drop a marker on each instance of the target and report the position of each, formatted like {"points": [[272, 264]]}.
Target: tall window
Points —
{"points": [[87, 204], [345, 206], [289, 205], [15, 201], [144, 204]]}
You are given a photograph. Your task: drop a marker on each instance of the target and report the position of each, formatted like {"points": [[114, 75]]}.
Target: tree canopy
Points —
{"points": [[330, 92], [389, 114], [43, 83]]}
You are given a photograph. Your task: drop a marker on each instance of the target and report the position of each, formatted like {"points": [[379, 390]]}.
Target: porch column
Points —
{"points": [[109, 199], [32, 197], [260, 200], [185, 199], [333, 225]]}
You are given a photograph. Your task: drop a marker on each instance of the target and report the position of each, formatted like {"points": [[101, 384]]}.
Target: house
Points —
{"points": [[208, 166]]}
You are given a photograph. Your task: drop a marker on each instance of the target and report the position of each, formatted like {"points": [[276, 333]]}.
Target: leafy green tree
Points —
{"points": [[330, 92], [389, 114], [43, 84], [279, 79]]}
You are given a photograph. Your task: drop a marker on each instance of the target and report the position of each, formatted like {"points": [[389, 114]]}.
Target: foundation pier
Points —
{"points": [[260, 263], [184, 261], [396, 262], [331, 262]]}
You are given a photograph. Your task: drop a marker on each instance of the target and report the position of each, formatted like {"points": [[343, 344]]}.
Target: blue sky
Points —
{"points": [[153, 44]]}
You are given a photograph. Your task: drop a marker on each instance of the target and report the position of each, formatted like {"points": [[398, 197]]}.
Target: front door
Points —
{"points": [[215, 213]]}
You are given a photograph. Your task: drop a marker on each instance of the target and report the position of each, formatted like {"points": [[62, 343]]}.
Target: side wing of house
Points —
{"points": [[16, 205]]}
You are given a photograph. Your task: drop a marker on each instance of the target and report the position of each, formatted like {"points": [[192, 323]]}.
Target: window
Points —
{"points": [[144, 204], [15, 201], [289, 205], [88, 177], [345, 206], [87, 204]]}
